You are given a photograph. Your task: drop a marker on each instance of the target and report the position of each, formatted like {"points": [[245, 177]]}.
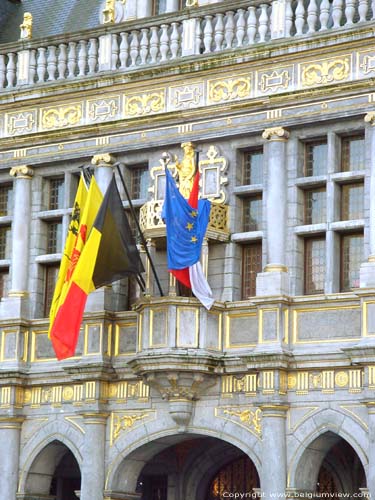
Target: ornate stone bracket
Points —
{"points": [[181, 388], [275, 134]]}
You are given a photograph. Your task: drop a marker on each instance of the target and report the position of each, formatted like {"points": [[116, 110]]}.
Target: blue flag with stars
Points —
{"points": [[186, 226]]}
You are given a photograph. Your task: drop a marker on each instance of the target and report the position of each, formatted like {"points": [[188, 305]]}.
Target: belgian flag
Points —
{"points": [[109, 255]]}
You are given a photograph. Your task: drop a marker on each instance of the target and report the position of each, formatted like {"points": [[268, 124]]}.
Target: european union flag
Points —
{"points": [[186, 226]]}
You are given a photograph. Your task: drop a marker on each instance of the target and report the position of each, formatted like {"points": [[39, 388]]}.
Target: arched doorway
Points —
{"points": [[54, 472], [341, 470], [195, 468], [238, 476], [330, 464]]}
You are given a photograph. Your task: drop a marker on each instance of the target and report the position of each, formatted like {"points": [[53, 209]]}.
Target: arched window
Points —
{"points": [[238, 476]]}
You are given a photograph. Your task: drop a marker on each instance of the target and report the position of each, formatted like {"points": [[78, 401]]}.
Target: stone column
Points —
{"points": [[150, 279], [104, 170], [10, 432], [367, 271], [102, 299], [93, 464], [275, 280], [371, 449], [274, 470], [17, 300]]}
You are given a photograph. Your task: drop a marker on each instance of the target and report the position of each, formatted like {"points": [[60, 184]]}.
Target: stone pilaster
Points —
{"points": [[371, 448], [274, 471], [17, 302], [367, 271], [93, 466], [275, 279], [10, 432], [149, 274]]}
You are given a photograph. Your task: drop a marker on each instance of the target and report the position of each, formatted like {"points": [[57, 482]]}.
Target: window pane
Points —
{"points": [[4, 282], [316, 158], [351, 259], [315, 265], [253, 167], [352, 154], [139, 182], [51, 273], [251, 265], [252, 213], [56, 194], [54, 237], [352, 201], [6, 199], [160, 6], [5, 241], [315, 206]]}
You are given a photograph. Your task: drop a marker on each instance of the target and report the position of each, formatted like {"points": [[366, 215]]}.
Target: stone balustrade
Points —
{"points": [[204, 30]]}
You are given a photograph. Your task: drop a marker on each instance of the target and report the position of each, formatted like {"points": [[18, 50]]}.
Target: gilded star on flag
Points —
{"points": [[189, 226], [194, 239]]}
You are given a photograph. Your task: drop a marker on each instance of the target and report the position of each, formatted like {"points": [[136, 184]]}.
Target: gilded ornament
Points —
{"points": [[145, 104], [186, 169], [27, 26], [191, 3], [124, 422], [341, 379], [68, 393], [103, 109], [109, 12], [20, 123], [368, 64], [187, 96], [63, 116], [292, 381], [250, 418], [213, 169], [27, 396], [325, 72], [274, 81], [229, 90]]}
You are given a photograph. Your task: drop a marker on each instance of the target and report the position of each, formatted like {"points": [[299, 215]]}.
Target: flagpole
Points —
{"points": [[144, 243]]}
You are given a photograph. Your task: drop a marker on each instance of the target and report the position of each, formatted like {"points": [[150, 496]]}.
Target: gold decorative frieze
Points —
{"points": [[231, 384], [272, 81], [145, 104], [248, 417], [101, 110], [229, 90], [326, 381], [54, 396], [122, 422], [20, 123], [61, 116], [120, 392], [323, 72], [186, 96]]}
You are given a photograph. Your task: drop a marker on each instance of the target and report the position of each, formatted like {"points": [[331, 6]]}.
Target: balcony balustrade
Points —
{"points": [[137, 44]]}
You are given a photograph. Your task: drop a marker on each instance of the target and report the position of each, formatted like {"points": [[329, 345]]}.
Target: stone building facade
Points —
{"points": [[272, 391]]}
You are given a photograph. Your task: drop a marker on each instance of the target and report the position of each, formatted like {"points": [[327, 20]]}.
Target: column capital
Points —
{"points": [[275, 134], [274, 410], [103, 160], [22, 172], [370, 117]]}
